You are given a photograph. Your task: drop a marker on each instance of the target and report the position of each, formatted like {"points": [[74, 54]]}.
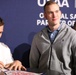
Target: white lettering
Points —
{"points": [[43, 2], [64, 16], [72, 16], [38, 22], [64, 3], [69, 22], [41, 15], [42, 22], [58, 2]]}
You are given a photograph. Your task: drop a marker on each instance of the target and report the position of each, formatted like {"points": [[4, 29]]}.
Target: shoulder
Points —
{"points": [[3, 45], [42, 32], [70, 31], [68, 28]]}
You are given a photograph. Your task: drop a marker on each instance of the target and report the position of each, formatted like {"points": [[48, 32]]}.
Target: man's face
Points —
{"points": [[52, 14], [1, 30]]}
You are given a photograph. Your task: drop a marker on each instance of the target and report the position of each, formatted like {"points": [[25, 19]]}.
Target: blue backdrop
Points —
{"points": [[24, 18]]}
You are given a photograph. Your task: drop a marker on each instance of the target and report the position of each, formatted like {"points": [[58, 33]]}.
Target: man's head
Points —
{"points": [[48, 3], [1, 26], [52, 13]]}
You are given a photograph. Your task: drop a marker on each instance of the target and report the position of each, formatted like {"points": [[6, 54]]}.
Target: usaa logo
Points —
{"points": [[62, 3]]}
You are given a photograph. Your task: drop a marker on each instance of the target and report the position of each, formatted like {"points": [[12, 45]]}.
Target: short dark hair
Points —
{"points": [[49, 3], [1, 22]]}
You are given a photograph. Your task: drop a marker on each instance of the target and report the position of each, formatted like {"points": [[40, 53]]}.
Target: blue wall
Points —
{"points": [[23, 19]]}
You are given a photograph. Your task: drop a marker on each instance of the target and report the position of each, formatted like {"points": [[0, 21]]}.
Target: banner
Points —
{"points": [[24, 18], [67, 7]]}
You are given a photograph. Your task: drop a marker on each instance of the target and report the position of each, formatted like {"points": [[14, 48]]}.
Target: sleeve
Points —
{"points": [[9, 58], [7, 54], [34, 54], [74, 54]]}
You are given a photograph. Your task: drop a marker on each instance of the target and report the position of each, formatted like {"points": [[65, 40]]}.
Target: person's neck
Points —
{"points": [[53, 27]]}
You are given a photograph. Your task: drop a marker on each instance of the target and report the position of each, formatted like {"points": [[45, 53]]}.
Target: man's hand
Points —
{"points": [[16, 65], [1, 65]]}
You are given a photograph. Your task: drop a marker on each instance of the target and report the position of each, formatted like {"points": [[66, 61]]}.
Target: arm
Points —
{"points": [[74, 54], [34, 55], [9, 62]]}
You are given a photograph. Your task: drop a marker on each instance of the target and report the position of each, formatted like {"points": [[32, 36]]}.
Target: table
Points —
{"points": [[48, 72], [29, 72], [17, 72], [51, 72]]}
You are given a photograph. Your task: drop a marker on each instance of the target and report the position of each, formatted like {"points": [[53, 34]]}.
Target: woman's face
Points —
{"points": [[1, 30]]}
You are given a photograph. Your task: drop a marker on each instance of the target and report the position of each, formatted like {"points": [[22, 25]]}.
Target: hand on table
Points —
{"points": [[1, 65], [16, 65]]}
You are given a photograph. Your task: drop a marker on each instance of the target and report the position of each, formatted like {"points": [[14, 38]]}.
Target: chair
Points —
{"points": [[21, 53]]}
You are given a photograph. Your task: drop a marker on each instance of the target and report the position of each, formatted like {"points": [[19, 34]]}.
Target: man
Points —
{"points": [[6, 60], [54, 47]]}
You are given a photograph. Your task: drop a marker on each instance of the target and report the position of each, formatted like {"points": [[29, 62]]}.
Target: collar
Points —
{"points": [[55, 30]]}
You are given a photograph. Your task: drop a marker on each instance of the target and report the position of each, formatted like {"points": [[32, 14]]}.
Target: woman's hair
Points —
{"points": [[1, 21]]}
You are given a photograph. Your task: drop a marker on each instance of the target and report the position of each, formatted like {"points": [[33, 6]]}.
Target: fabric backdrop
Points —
{"points": [[24, 18]]}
